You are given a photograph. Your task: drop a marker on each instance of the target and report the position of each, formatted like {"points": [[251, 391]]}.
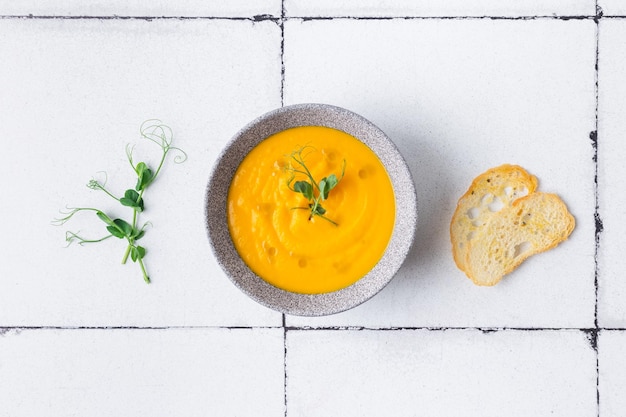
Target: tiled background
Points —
{"points": [[460, 86]]}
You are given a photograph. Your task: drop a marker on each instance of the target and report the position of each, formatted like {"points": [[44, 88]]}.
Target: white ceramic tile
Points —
{"points": [[612, 173], [190, 372], [440, 373], [183, 8], [459, 97], [612, 7], [74, 93], [385, 8], [612, 371]]}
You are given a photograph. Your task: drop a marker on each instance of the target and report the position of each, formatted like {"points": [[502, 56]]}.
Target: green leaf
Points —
{"points": [[132, 199], [144, 176], [140, 168], [128, 202], [132, 203], [327, 184], [138, 234], [332, 181], [137, 252], [131, 195], [115, 232], [305, 188], [323, 185], [124, 226]]}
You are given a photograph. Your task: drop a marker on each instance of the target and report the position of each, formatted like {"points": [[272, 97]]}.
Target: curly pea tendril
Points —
{"points": [[162, 136]]}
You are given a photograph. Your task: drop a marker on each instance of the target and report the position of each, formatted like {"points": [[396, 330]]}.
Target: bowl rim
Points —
{"points": [[215, 207]]}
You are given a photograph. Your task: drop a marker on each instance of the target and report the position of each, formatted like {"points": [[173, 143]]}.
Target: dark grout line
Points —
{"points": [[594, 139], [597, 376], [257, 18], [284, 327], [486, 330], [281, 24], [282, 18], [598, 221], [4, 329], [455, 17], [282, 58]]}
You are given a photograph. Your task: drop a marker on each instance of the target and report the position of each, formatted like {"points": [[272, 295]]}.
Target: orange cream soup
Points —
{"points": [[281, 244]]}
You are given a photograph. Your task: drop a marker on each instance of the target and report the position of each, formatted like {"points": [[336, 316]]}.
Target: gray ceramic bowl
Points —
{"points": [[216, 215]]}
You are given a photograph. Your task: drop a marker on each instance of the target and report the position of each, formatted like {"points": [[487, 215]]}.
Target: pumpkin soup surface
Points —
{"points": [[286, 246]]}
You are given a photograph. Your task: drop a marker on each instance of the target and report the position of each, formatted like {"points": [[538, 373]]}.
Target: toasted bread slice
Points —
{"points": [[488, 194], [532, 224]]}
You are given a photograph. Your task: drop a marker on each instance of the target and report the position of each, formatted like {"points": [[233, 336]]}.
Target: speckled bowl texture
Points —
{"points": [[216, 210]]}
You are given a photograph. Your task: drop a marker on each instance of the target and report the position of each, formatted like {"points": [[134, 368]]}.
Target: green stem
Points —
{"points": [[327, 219], [95, 185], [316, 202], [107, 191], [307, 173], [131, 242], [315, 213], [127, 253], [156, 173], [143, 269]]}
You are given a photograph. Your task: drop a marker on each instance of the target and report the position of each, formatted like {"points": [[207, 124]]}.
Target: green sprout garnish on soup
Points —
{"points": [[315, 192]]}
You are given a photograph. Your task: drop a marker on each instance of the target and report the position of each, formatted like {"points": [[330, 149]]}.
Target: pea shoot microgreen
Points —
{"points": [[162, 136], [315, 192]]}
